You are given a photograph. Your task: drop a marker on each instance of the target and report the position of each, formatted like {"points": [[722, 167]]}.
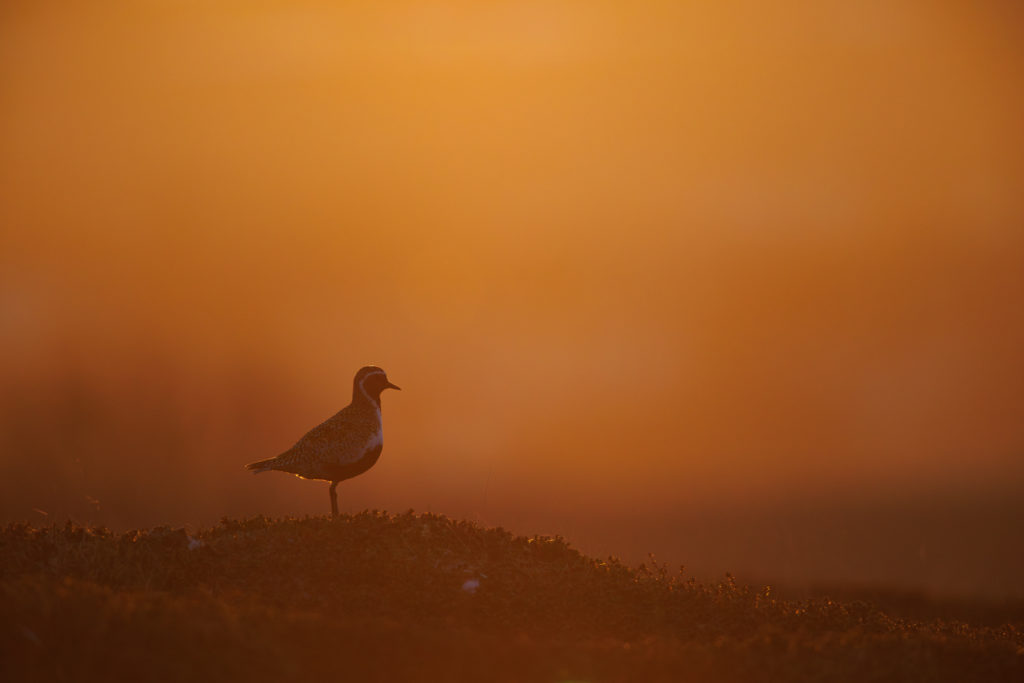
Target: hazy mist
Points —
{"points": [[733, 283]]}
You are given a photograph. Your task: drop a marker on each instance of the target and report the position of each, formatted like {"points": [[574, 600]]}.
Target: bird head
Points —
{"points": [[372, 380]]}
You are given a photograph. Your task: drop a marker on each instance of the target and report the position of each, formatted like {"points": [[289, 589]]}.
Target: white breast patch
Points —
{"points": [[374, 441]]}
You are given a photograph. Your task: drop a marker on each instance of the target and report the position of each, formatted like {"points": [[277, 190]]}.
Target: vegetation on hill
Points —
{"points": [[378, 597]]}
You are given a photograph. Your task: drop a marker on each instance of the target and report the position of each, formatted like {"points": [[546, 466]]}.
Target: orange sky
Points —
{"points": [[635, 258]]}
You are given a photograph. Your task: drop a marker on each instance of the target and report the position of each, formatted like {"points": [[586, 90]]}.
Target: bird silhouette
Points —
{"points": [[343, 446]]}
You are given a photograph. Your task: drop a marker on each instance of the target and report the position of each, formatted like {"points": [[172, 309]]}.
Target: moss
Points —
{"points": [[375, 596]]}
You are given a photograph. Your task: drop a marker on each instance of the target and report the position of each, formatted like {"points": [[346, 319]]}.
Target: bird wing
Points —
{"points": [[335, 441]]}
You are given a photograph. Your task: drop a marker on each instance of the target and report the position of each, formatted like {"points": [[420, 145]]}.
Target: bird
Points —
{"points": [[343, 446]]}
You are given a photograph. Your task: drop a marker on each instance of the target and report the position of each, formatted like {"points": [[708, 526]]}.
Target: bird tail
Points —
{"points": [[261, 465]]}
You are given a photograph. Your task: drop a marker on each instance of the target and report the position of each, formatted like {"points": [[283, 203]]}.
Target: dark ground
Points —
{"points": [[385, 598]]}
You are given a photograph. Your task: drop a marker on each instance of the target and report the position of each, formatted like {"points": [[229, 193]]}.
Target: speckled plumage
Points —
{"points": [[343, 446]]}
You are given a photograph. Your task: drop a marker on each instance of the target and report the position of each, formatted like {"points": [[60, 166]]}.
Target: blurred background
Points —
{"points": [[738, 283]]}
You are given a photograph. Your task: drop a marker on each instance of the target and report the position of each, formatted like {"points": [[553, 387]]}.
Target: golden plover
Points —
{"points": [[343, 446]]}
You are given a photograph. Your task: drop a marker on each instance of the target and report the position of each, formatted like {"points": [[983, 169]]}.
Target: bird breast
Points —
{"points": [[375, 441]]}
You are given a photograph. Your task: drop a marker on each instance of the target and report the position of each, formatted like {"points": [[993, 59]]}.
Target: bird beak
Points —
{"points": [[389, 385]]}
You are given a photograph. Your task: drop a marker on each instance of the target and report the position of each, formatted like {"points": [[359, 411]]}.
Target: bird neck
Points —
{"points": [[361, 397]]}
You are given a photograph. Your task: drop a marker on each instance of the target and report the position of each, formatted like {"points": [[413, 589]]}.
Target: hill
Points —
{"points": [[378, 597]]}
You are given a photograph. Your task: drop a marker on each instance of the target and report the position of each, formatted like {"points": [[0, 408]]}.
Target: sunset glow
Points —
{"points": [[648, 277]]}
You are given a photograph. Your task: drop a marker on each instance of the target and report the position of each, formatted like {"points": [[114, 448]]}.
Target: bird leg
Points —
{"points": [[334, 499]]}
